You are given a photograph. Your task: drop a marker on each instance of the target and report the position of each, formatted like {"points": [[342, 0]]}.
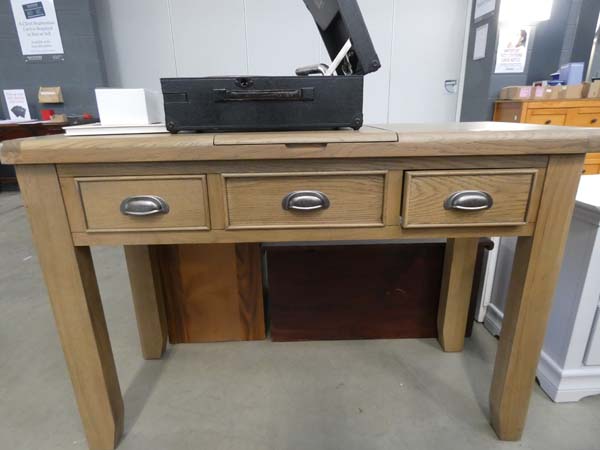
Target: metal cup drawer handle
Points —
{"points": [[144, 205], [469, 201], [305, 201]]}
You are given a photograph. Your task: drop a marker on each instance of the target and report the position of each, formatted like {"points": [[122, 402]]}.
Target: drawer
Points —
{"points": [[591, 169], [142, 203], [546, 117], [585, 117], [304, 200], [470, 197]]}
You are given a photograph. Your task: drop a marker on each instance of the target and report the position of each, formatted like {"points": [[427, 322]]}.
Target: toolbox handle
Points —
{"points": [[260, 95]]}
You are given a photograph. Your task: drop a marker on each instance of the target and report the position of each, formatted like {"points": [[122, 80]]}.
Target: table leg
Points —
{"points": [[455, 295], [75, 299], [148, 300], [535, 272]]}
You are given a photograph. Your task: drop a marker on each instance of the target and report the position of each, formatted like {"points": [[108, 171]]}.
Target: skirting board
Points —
{"points": [[493, 319], [569, 385]]}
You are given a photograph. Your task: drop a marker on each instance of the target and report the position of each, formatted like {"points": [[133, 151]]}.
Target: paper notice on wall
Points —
{"points": [[511, 55], [482, 8], [16, 103], [37, 27], [480, 46]]}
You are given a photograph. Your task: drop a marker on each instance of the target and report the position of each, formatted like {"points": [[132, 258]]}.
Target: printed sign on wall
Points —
{"points": [[512, 49], [16, 103], [483, 8], [37, 27]]}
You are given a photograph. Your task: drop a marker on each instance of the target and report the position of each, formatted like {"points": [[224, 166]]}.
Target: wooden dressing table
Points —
{"points": [[459, 181]]}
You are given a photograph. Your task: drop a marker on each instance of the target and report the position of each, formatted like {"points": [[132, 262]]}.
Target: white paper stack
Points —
{"points": [[96, 129]]}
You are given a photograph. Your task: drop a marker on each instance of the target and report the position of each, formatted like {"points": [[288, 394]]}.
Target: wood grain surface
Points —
{"points": [[450, 139], [212, 292], [255, 201], [186, 196], [294, 234], [535, 272], [426, 191], [573, 113], [75, 299], [455, 294], [148, 300], [354, 292]]}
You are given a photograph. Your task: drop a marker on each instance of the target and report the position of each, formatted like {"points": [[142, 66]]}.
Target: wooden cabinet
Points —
{"points": [[576, 113]]}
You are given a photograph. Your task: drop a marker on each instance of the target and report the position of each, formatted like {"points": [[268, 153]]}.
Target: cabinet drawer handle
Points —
{"points": [[144, 205], [305, 201], [548, 122], [469, 201], [594, 120]]}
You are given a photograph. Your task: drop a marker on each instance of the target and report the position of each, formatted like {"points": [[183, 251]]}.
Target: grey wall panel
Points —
{"points": [[548, 43], [81, 71], [476, 105], [379, 17], [586, 29], [209, 37], [287, 40], [136, 42], [426, 52], [271, 37]]}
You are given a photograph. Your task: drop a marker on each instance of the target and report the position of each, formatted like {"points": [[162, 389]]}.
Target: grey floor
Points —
{"points": [[351, 395]]}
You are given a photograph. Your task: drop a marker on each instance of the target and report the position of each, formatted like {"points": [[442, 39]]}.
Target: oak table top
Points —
{"points": [[403, 140], [460, 181]]}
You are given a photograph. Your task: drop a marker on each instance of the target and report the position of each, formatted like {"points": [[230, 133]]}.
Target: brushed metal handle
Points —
{"points": [[144, 205], [305, 201], [469, 201]]}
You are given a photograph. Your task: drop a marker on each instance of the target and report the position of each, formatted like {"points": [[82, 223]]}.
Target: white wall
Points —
{"points": [[419, 44]]}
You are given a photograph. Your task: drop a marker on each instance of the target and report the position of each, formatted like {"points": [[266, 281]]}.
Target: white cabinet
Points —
{"points": [[592, 358], [569, 367]]}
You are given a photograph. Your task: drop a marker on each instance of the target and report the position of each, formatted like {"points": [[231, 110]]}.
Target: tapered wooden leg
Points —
{"points": [[535, 271], [147, 300], [455, 295], [73, 292]]}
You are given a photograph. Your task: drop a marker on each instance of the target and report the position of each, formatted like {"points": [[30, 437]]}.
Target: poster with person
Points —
{"points": [[512, 49]]}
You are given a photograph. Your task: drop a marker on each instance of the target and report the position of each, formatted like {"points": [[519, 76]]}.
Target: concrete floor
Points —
{"points": [[350, 395]]}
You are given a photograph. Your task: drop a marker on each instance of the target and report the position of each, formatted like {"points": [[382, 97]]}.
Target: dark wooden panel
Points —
{"points": [[213, 292], [355, 292]]}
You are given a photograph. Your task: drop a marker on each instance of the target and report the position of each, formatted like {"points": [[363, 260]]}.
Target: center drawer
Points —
{"points": [[304, 200], [461, 198]]}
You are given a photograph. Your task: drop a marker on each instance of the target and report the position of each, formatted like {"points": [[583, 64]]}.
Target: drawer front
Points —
{"points": [[549, 118], [334, 199], [162, 202], [591, 169], [469, 198], [586, 117]]}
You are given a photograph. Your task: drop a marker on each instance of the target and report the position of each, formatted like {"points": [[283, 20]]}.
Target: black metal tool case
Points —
{"points": [[319, 97]]}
